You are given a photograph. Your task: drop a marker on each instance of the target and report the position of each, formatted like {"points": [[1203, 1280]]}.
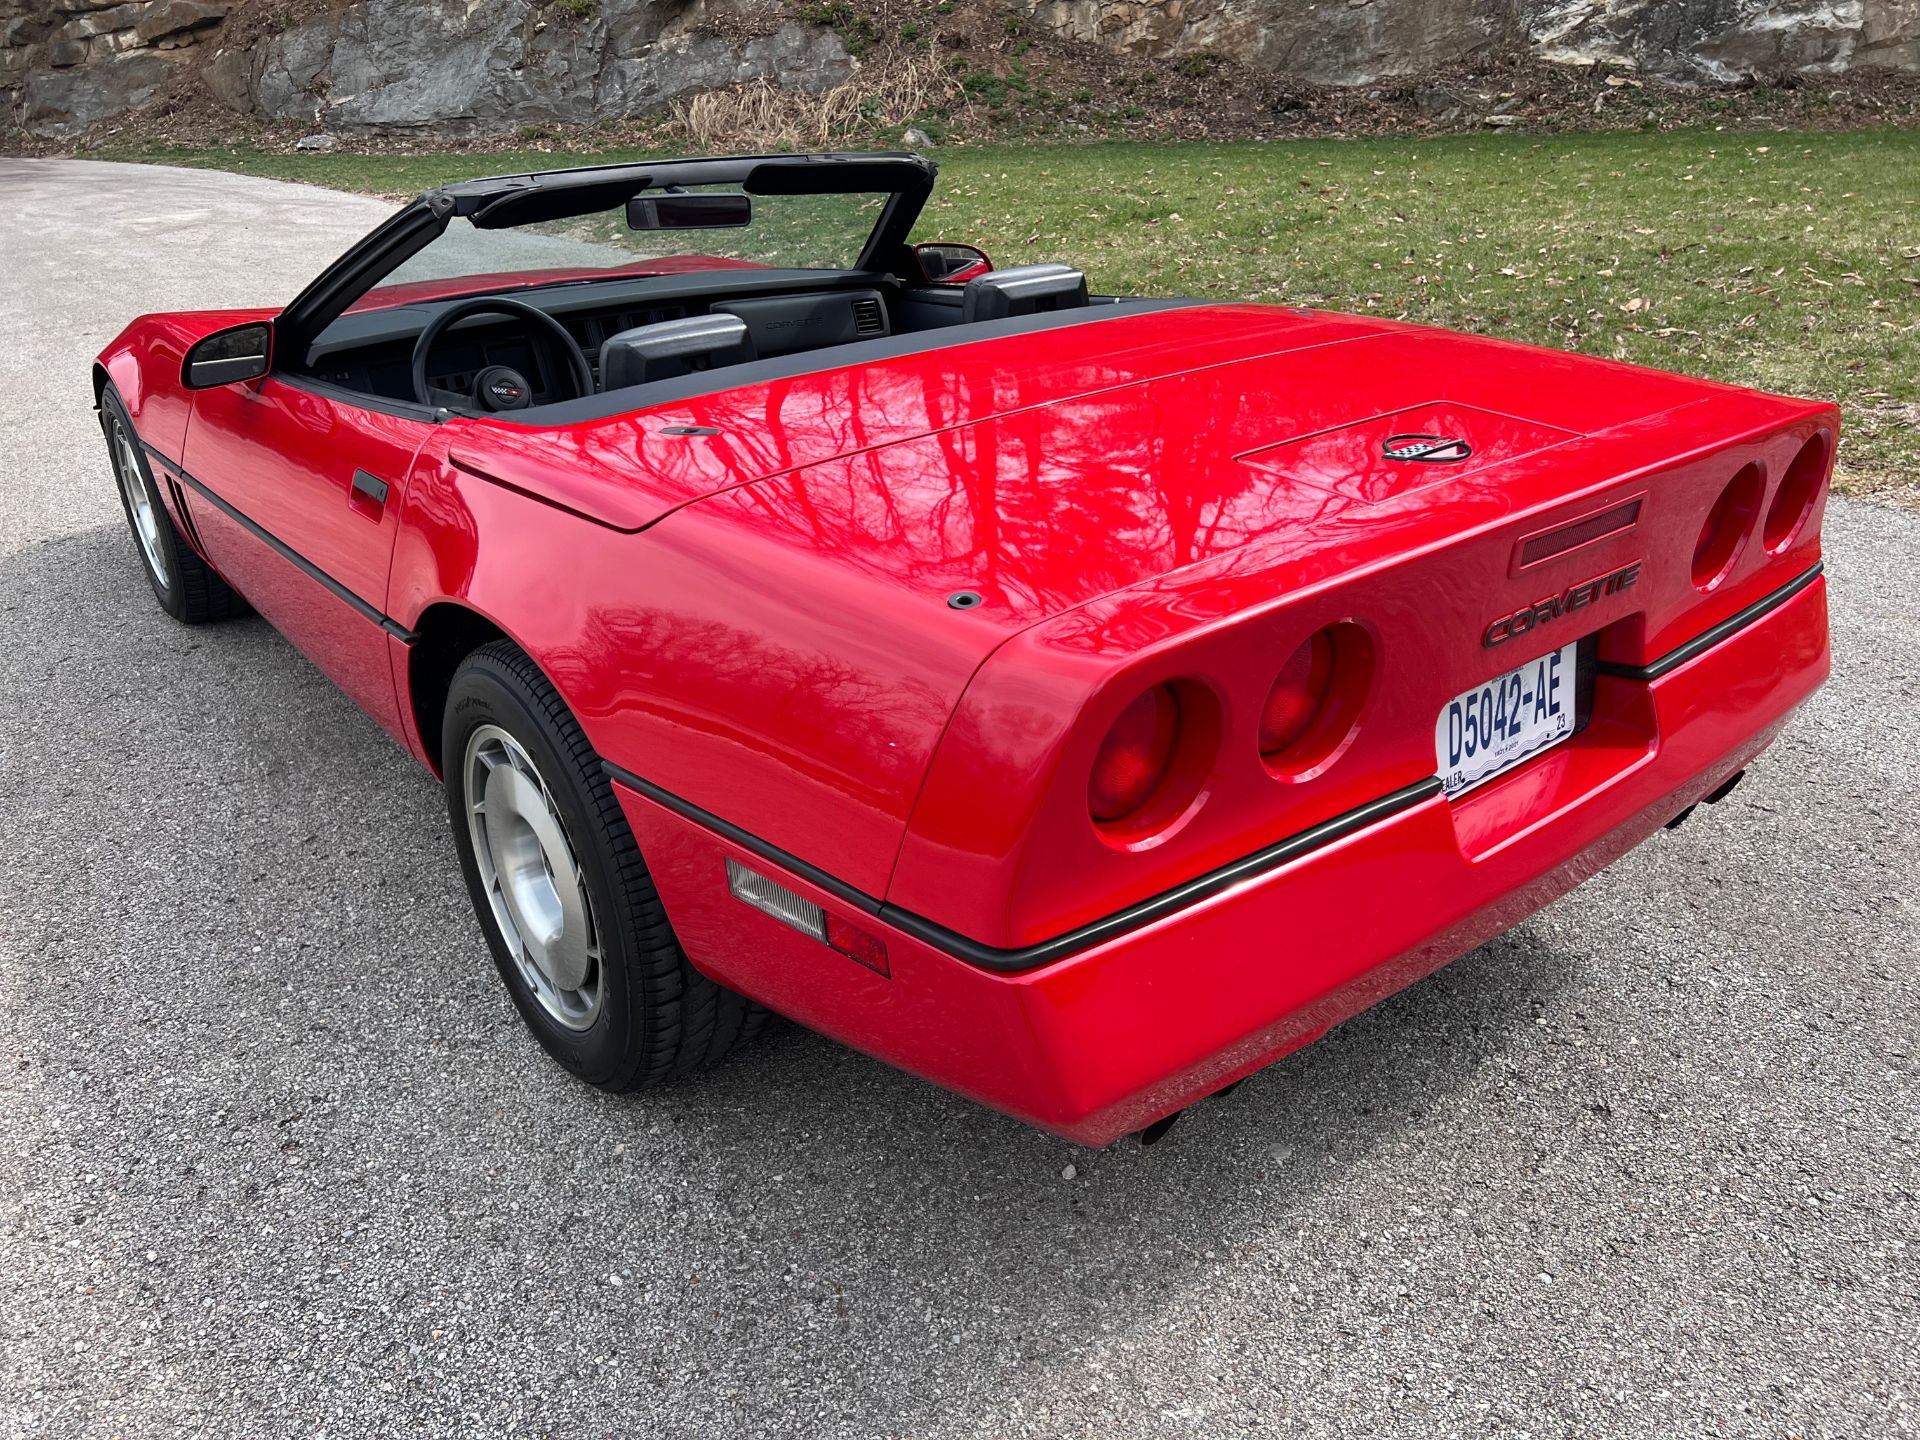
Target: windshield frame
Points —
{"points": [[503, 201]]}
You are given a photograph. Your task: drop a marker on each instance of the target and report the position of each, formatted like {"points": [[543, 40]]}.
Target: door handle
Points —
{"points": [[369, 493]]}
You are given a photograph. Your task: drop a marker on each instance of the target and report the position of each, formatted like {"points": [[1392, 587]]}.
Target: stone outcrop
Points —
{"points": [[464, 66], [455, 65], [1360, 42]]}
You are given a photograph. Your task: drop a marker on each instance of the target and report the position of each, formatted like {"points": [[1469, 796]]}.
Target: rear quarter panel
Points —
{"points": [[708, 655]]}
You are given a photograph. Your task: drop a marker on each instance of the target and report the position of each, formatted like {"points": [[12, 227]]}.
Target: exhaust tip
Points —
{"points": [[1157, 1131], [1727, 787]]}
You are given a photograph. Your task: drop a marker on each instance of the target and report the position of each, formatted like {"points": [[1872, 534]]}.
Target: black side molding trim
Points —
{"points": [[1086, 936], [280, 547], [1709, 638], [727, 830], [1167, 901]]}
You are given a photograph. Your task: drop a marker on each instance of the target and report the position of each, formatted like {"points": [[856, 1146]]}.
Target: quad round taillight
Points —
{"points": [[1314, 705], [1728, 523], [1136, 757], [1299, 694], [1793, 501]]}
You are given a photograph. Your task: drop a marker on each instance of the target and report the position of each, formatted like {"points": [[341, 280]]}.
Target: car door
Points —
{"points": [[296, 495]]}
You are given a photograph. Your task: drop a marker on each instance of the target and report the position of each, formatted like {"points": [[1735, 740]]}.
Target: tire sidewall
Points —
{"points": [[483, 693], [166, 589]]}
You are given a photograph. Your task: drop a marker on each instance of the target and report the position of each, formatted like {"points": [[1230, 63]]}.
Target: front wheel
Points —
{"points": [[570, 913], [186, 586]]}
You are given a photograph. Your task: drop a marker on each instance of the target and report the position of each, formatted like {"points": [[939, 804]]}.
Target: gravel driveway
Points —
{"points": [[278, 1158]]}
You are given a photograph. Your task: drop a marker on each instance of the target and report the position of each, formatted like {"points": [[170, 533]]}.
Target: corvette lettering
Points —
{"points": [[1574, 597]]}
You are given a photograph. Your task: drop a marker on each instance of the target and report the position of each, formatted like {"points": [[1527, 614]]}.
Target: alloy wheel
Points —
{"points": [[142, 508], [532, 878]]}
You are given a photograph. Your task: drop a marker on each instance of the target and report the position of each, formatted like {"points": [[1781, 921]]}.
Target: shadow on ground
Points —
{"points": [[308, 1079]]}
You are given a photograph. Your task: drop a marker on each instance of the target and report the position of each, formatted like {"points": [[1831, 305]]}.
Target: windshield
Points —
{"points": [[806, 232]]}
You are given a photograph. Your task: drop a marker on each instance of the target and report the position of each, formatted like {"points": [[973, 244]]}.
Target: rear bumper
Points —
{"points": [[1121, 1033]]}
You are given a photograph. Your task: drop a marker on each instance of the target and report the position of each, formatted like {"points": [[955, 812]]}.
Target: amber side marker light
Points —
{"points": [[797, 912]]}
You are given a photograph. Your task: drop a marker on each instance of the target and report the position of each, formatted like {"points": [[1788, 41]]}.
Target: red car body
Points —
{"points": [[744, 596]]}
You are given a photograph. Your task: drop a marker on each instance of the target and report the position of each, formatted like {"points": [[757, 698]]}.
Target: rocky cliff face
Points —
{"points": [[455, 65], [464, 66], [1359, 42]]}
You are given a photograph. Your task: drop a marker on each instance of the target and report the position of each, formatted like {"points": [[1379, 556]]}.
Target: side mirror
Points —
{"points": [[243, 352], [705, 210], [943, 264]]}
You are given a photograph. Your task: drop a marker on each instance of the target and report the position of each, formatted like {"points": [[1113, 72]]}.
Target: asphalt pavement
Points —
{"points": [[278, 1158]]}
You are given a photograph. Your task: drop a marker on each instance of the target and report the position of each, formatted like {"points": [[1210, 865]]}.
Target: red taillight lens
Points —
{"points": [[1725, 532], [1313, 708], [1299, 694], [1794, 500], [1136, 755]]}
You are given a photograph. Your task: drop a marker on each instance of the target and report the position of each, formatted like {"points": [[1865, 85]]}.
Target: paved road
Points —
{"points": [[276, 1157]]}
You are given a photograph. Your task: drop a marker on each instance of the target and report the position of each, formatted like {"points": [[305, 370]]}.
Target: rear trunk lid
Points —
{"points": [[1309, 460]]}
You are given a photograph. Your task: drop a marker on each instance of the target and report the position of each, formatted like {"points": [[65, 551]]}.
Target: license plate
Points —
{"points": [[1495, 726]]}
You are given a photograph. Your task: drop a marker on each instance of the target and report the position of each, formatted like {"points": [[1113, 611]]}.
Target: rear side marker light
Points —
{"points": [[797, 912], [1728, 524], [1794, 500]]}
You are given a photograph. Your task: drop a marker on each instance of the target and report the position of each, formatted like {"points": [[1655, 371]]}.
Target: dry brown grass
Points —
{"points": [[888, 90]]}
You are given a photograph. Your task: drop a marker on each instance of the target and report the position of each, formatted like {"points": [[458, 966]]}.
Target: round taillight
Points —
{"points": [[1314, 705], [1728, 524], [1136, 755], [1793, 502], [1299, 694]]}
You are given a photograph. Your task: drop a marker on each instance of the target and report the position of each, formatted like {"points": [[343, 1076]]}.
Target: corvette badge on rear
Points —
{"points": [[1495, 726]]}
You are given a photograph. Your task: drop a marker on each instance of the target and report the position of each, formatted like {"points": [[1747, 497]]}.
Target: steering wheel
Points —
{"points": [[498, 387]]}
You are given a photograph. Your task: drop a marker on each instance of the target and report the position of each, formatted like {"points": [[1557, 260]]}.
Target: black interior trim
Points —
{"points": [[812, 362], [537, 204], [389, 246], [280, 547], [1085, 937], [393, 323], [1711, 637]]}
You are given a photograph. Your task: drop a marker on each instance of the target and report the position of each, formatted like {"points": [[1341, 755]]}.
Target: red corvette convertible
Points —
{"points": [[1079, 701]]}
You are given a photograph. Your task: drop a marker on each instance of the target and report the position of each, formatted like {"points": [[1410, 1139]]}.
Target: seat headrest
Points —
{"points": [[673, 347], [1022, 290]]}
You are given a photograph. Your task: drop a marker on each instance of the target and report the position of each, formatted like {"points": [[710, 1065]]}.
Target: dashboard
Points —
{"points": [[371, 352]]}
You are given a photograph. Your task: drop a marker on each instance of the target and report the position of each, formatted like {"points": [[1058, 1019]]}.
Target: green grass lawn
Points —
{"points": [[1786, 261]]}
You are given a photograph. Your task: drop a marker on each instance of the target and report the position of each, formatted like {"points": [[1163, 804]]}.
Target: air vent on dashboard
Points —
{"points": [[868, 318]]}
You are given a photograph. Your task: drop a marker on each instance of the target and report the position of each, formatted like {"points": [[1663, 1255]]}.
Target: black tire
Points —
{"points": [[187, 587], [657, 1018]]}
